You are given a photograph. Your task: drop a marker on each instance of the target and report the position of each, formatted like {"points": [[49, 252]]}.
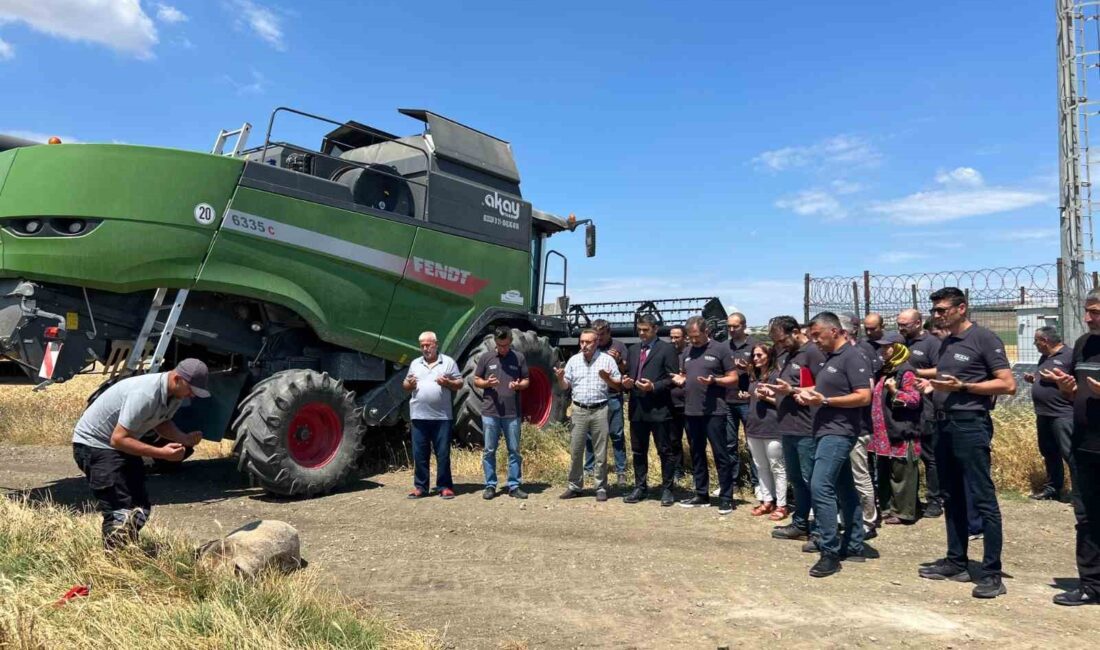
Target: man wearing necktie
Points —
{"points": [[650, 366]]}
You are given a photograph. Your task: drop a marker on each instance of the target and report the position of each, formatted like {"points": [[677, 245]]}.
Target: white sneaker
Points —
{"points": [[716, 491]]}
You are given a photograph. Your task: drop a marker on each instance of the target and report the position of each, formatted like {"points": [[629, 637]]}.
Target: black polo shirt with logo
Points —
{"points": [[502, 401], [793, 419], [741, 352], [714, 358], [844, 372], [924, 353], [1048, 400], [972, 356], [1086, 407]]}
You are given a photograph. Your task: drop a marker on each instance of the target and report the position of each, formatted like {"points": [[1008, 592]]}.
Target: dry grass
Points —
{"points": [[48, 417], [158, 596]]}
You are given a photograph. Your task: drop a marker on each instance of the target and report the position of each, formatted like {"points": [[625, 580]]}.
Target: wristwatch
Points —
{"points": [[825, 401], [964, 388]]}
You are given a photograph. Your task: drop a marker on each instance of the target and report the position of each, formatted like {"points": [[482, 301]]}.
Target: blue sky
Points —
{"points": [[724, 148]]}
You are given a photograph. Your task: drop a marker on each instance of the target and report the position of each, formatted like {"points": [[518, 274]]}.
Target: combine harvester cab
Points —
{"points": [[302, 277]]}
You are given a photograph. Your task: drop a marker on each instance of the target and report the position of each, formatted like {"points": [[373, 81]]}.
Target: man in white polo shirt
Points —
{"points": [[432, 380]]}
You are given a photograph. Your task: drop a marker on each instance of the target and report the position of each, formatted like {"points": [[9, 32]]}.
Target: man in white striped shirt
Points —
{"points": [[589, 374]]}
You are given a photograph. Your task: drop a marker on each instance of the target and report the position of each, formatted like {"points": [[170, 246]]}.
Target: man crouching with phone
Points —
{"points": [[971, 370], [108, 449]]}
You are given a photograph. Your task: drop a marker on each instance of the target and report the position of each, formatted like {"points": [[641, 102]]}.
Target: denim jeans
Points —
{"points": [[426, 435], [798, 452], [616, 433], [493, 427], [736, 417], [832, 482], [963, 455]]}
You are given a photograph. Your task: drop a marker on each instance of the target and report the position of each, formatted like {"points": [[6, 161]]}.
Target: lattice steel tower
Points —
{"points": [[1078, 65]]}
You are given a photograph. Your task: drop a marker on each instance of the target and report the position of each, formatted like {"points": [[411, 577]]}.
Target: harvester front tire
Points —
{"points": [[551, 402], [300, 433]]}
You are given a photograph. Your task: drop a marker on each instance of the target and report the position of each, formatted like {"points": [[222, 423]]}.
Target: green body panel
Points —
{"points": [[363, 282], [146, 198], [418, 306]]}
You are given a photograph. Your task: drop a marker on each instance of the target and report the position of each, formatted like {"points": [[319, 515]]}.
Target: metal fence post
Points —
{"points": [[1095, 279], [866, 293], [855, 296], [914, 287], [806, 301]]}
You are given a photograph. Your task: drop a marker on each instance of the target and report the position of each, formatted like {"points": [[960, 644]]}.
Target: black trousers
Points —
{"points": [[702, 429], [676, 433], [928, 457], [1086, 505], [963, 454], [1054, 446], [117, 481], [667, 450]]}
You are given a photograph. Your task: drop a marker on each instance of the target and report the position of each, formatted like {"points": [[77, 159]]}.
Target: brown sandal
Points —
{"points": [[780, 513], [763, 508]]}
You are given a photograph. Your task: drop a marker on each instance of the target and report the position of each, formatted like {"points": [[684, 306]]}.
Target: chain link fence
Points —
{"points": [[1011, 301]]}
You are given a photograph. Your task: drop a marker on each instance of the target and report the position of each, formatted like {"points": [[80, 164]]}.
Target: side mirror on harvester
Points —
{"points": [[590, 240]]}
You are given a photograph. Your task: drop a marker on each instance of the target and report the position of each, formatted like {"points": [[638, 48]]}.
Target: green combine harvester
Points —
{"points": [[302, 277]]}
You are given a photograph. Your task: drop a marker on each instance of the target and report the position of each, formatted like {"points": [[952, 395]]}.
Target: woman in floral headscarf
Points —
{"points": [[896, 419]]}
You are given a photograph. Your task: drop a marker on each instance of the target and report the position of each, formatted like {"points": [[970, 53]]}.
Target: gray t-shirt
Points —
{"points": [[429, 400], [137, 403]]}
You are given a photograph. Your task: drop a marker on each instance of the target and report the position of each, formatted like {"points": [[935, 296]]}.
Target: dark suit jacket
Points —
{"points": [[660, 364]]}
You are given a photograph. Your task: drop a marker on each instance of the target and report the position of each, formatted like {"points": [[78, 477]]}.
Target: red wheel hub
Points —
{"points": [[538, 400], [314, 435]]}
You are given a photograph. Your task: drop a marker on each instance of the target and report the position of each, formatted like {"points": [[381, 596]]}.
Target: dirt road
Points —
{"points": [[554, 574]]}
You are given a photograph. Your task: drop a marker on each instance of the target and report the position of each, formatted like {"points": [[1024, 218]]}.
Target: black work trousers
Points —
{"points": [[1086, 506], [928, 457], [117, 481], [1054, 446], [668, 450], [702, 429]]}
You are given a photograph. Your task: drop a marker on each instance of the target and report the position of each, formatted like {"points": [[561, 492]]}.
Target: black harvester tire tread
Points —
{"points": [[467, 405], [262, 429]]}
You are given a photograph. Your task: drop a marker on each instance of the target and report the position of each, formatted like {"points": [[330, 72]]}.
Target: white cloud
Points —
{"points": [[121, 25], [38, 136], [256, 86], [898, 257], [938, 206], [263, 22], [849, 150], [1030, 234], [169, 14], [842, 187], [7, 52], [960, 177], [813, 203]]}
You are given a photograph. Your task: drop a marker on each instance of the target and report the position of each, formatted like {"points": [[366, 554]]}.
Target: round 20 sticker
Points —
{"points": [[204, 214]]}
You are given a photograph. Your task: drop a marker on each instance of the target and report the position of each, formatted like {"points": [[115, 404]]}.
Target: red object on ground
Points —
{"points": [[75, 592]]}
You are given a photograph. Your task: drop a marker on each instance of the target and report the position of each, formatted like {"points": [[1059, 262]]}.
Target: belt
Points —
{"points": [[593, 405], [961, 416]]}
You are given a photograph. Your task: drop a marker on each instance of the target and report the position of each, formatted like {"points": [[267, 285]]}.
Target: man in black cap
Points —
{"points": [[107, 442]]}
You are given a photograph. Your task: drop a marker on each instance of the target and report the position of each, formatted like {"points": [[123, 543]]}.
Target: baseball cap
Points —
{"points": [[195, 373], [888, 338]]}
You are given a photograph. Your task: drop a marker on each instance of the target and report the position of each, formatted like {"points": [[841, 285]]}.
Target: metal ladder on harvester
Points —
{"points": [[149, 328]]}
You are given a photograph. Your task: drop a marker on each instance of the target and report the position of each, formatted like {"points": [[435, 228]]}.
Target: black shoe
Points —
{"points": [[868, 553], [489, 493], [517, 493], [695, 502], [1046, 494], [943, 570], [667, 499], [826, 566], [790, 531], [870, 534], [811, 546], [989, 587], [601, 495], [570, 494], [634, 497], [933, 510], [1075, 598], [725, 506]]}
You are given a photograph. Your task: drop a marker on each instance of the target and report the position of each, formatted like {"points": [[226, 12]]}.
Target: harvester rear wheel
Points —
{"points": [[300, 433], [542, 403]]}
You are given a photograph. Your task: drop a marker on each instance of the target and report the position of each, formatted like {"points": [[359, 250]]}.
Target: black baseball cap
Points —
{"points": [[197, 376], [888, 338]]}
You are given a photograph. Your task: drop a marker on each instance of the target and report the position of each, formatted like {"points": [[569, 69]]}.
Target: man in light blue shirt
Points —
{"points": [[432, 380]]}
